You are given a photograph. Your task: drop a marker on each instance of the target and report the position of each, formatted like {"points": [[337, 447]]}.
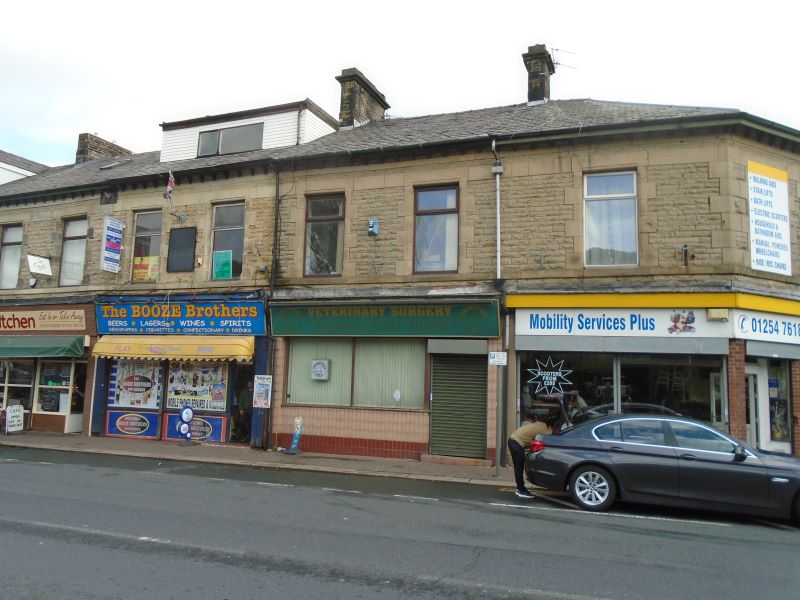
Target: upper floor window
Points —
{"points": [[324, 235], [436, 229], [10, 254], [73, 251], [228, 241], [231, 140], [610, 219], [146, 247]]}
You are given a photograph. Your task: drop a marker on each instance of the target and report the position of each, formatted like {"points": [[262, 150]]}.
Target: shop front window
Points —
{"points": [[54, 389], [670, 384], [368, 373], [202, 386], [579, 381], [580, 386], [16, 378], [135, 384]]}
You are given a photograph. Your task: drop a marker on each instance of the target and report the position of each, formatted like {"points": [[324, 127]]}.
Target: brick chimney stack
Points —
{"points": [[90, 146], [540, 66], [361, 102]]}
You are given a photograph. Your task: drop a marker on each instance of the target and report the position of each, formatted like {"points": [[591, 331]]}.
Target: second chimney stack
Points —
{"points": [[540, 66]]}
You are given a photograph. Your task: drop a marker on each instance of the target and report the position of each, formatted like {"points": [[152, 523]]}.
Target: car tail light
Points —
{"points": [[537, 446]]}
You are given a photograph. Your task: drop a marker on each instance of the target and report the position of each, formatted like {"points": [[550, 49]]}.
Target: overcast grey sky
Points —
{"points": [[120, 69]]}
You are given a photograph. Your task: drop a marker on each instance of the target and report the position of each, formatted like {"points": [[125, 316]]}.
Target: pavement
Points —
{"points": [[440, 469]]}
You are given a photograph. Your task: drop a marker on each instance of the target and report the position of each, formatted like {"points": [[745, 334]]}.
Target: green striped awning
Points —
{"points": [[34, 346]]}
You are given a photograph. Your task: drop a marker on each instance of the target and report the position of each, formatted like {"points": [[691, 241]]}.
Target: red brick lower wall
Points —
{"points": [[357, 447], [794, 375], [737, 404]]}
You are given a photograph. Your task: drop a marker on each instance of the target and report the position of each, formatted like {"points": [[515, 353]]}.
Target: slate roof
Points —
{"points": [[569, 117], [21, 163]]}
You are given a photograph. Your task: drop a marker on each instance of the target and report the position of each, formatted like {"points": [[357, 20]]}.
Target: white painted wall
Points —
{"points": [[10, 173], [314, 127], [280, 130]]}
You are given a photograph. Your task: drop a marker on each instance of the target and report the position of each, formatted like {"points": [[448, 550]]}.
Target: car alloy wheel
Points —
{"points": [[592, 488]]}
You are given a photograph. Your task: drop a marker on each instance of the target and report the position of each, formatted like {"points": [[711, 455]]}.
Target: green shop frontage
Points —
{"points": [[386, 379]]}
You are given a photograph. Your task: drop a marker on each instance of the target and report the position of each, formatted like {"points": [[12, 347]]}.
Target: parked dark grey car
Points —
{"points": [[666, 460]]}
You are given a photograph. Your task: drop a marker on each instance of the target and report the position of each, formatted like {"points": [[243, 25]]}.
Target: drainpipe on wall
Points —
{"points": [[276, 230], [499, 453]]}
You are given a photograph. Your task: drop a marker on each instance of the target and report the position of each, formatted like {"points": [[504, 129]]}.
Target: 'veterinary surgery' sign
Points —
{"points": [[200, 318]]}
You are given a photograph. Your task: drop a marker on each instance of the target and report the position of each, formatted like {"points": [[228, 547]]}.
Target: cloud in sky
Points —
{"points": [[119, 70]]}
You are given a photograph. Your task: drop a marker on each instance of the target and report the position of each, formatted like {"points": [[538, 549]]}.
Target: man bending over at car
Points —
{"points": [[518, 442]]}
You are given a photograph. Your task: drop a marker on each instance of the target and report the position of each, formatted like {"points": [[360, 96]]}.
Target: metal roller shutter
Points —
{"points": [[458, 405]]}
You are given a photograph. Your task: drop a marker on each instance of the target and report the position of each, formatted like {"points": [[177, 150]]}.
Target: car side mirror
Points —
{"points": [[739, 454]]}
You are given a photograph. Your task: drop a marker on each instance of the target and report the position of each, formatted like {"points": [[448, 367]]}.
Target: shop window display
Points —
{"points": [[16, 378], [135, 384], [586, 386], [203, 386]]}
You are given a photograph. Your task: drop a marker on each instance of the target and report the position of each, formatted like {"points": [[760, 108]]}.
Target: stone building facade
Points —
{"points": [[373, 252]]}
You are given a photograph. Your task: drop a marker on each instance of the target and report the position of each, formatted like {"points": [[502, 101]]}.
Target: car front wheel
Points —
{"points": [[593, 488]]}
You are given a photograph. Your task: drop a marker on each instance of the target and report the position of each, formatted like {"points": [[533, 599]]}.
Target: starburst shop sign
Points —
{"points": [[549, 377]]}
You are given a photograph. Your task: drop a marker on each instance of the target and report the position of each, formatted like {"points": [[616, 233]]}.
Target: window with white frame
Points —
{"points": [[358, 372], [436, 229], [10, 254], [324, 235], [146, 247], [17, 381], [231, 140], [73, 251], [611, 237], [228, 241]]}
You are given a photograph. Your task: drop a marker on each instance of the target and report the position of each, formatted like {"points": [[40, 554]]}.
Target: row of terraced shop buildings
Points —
{"points": [[381, 271]]}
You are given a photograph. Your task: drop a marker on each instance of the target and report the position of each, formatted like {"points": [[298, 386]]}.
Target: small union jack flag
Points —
{"points": [[170, 186]]}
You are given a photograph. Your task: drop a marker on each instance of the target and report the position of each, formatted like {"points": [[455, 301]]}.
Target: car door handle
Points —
{"points": [[688, 457], [617, 449]]}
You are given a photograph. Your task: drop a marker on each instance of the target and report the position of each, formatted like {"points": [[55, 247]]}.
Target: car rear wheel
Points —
{"points": [[593, 488], [796, 510]]}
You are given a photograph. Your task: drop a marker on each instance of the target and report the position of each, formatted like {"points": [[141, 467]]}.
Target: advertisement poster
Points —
{"points": [[145, 268], [201, 386], [223, 264], [262, 391], [768, 195], [112, 244], [135, 384]]}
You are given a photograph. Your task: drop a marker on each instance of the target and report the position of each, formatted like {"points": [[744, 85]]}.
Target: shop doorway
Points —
{"points": [[242, 409], [458, 405], [767, 405]]}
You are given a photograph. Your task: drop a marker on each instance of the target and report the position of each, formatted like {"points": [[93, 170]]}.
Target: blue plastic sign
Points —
{"points": [[132, 424], [204, 428], [194, 318]]}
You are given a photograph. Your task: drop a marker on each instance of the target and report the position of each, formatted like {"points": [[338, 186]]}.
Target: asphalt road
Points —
{"points": [[82, 526]]}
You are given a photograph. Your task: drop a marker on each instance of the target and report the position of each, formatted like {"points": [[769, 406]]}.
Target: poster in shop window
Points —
{"points": [[202, 386], [135, 384]]}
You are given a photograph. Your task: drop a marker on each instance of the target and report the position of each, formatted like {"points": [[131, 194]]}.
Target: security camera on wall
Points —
{"points": [[32, 281]]}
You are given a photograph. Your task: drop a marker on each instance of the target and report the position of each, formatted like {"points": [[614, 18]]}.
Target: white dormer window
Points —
{"points": [[231, 140]]}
